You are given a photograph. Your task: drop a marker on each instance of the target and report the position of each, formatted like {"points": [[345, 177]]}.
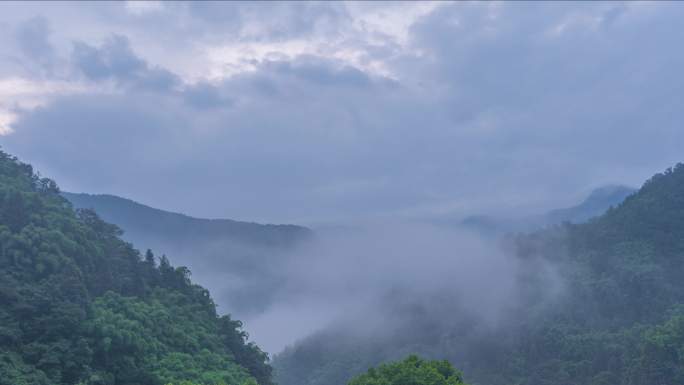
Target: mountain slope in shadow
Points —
{"points": [[237, 261]]}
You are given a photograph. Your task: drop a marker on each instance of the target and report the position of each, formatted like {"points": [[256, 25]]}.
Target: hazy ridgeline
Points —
{"points": [[239, 261]]}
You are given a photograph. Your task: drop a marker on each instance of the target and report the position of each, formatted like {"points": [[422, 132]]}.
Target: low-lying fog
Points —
{"points": [[361, 275]]}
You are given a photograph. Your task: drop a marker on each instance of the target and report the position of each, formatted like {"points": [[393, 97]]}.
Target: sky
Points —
{"points": [[330, 112]]}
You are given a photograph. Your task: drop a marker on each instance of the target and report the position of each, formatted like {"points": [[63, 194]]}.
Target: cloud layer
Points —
{"points": [[318, 112]]}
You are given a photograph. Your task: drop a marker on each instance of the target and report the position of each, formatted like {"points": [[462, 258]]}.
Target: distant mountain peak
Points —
{"points": [[610, 191], [596, 203]]}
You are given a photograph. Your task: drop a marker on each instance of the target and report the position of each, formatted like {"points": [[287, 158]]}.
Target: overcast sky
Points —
{"points": [[322, 112]]}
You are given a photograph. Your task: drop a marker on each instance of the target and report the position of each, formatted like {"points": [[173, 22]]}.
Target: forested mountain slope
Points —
{"points": [[80, 306], [237, 261], [618, 317]]}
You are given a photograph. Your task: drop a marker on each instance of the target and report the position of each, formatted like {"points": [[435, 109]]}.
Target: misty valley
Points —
{"points": [[594, 300], [341, 193]]}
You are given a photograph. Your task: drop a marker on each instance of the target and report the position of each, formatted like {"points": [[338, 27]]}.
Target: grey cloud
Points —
{"points": [[205, 96], [33, 37], [115, 60], [575, 98], [274, 21], [491, 108], [266, 153], [320, 72]]}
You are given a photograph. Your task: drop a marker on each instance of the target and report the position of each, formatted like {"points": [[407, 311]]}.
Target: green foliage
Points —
{"points": [[80, 306], [411, 371]]}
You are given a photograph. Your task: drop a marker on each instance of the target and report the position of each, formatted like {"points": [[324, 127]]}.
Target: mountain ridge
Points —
{"points": [[597, 202], [227, 256], [116, 209]]}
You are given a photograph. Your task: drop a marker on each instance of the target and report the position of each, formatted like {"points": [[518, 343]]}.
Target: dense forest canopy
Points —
{"points": [[411, 371], [81, 306]]}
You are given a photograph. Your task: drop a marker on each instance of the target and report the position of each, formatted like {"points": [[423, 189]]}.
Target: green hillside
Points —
{"points": [[229, 257], [80, 306], [618, 317]]}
